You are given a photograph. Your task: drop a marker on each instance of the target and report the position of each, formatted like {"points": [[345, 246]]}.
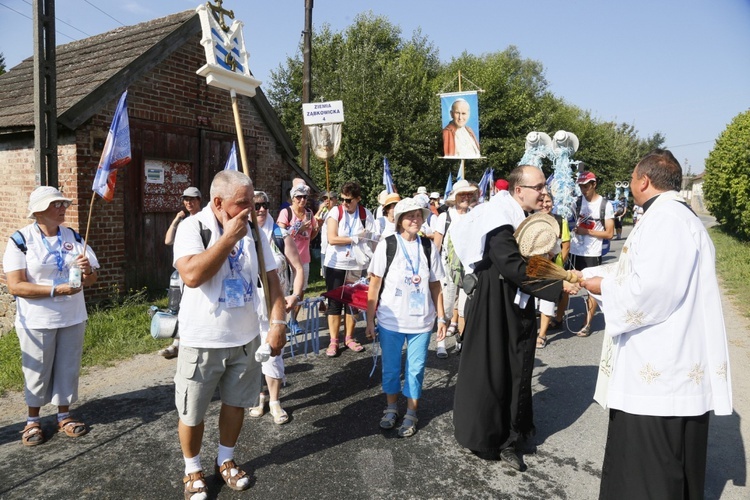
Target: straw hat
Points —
{"points": [[391, 199], [41, 198], [537, 234], [408, 205]]}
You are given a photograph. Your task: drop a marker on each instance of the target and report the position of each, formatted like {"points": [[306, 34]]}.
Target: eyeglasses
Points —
{"points": [[264, 204], [539, 188], [346, 200], [301, 196], [58, 204]]}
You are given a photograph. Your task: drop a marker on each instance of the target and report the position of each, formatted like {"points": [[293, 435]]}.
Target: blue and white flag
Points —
{"points": [[232, 160], [484, 182], [448, 185], [387, 179], [116, 152], [460, 174]]}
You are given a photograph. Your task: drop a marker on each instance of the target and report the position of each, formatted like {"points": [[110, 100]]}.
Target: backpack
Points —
{"points": [[20, 241], [602, 211], [391, 246], [288, 211], [362, 215]]}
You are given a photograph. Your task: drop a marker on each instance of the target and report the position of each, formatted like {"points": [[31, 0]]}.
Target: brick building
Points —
{"points": [[181, 134]]}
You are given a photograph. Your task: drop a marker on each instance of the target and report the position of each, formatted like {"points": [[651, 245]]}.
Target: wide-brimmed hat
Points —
{"points": [[191, 192], [537, 234], [463, 186], [381, 196], [41, 197], [421, 190], [563, 139], [391, 199], [408, 205], [586, 177], [422, 200], [299, 190]]}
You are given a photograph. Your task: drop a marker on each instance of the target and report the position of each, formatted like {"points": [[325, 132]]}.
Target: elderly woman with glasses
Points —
{"points": [[47, 269], [348, 226], [286, 256], [299, 222]]}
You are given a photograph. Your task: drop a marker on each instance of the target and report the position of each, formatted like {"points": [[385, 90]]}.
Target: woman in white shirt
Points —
{"points": [[406, 292], [40, 264]]}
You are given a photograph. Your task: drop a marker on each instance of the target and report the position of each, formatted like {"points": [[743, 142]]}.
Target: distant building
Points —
{"points": [[181, 133]]}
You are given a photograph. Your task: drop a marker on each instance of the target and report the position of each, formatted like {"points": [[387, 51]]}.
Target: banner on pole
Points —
{"points": [[460, 120], [325, 140], [116, 152]]}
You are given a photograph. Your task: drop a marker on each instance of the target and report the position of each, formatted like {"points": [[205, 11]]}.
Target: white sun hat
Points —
{"points": [[408, 205], [41, 198]]}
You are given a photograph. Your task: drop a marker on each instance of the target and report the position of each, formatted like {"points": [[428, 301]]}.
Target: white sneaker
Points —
{"points": [[441, 352]]}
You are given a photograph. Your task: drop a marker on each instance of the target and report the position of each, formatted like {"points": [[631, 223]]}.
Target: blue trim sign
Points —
{"points": [[321, 113]]}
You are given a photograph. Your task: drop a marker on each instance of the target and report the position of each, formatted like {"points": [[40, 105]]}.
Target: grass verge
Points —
{"points": [[733, 267], [115, 332]]}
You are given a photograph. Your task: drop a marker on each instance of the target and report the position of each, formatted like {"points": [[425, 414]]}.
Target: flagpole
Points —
{"points": [[328, 182], [253, 216], [88, 224]]}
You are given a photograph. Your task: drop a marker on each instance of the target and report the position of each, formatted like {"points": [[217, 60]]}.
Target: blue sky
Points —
{"points": [[681, 68]]}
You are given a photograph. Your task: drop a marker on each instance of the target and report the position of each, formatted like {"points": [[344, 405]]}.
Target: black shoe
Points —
{"points": [[509, 456]]}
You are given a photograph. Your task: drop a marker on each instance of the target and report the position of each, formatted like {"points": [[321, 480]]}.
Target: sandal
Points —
{"points": [[389, 418], [408, 429], [32, 434], [333, 349], [72, 427], [192, 490], [233, 476], [353, 345], [585, 331], [451, 330], [541, 342], [279, 415], [258, 411]]}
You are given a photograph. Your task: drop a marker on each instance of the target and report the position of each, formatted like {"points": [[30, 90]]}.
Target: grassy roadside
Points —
{"points": [[733, 267], [118, 331]]}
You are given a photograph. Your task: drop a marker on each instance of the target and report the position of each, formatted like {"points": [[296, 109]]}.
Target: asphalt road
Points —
{"points": [[332, 446]]}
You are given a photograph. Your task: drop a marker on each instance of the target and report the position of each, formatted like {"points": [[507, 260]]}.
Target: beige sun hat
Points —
{"points": [[391, 198], [408, 205], [537, 234], [41, 198], [381, 196]]}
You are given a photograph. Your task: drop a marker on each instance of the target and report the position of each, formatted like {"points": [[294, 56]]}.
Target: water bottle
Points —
{"points": [[174, 295], [263, 353], [74, 274]]}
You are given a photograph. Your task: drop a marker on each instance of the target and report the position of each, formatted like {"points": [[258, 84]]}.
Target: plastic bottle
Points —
{"points": [[74, 274]]}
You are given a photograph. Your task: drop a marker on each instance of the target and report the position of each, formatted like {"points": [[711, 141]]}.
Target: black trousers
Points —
{"points": [[660, 458]]}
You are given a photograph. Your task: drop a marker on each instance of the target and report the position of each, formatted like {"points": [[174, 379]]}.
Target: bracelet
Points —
{"points": [[52, 292], [278, 322], [442, 320]]}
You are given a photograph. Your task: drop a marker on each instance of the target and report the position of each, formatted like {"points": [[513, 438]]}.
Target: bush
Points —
{"points": [[726, 188]]}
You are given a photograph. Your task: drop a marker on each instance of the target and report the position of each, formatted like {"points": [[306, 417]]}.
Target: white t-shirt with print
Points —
{"points": [[585, 245], [224, 327], [41, 265], [393, 310], [342, 256]]}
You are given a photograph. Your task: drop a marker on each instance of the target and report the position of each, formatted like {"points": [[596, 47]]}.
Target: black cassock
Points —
{"points": [[492, 406]]}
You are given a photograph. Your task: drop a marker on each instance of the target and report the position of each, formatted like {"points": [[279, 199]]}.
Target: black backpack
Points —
{"points": [[20, 241], [391, 246]]}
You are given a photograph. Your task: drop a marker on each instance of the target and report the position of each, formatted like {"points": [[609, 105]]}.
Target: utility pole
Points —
{"points": [[306, 80], [45, 93]]}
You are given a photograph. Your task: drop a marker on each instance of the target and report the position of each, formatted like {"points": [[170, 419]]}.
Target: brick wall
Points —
{"points": [[170, 93]]}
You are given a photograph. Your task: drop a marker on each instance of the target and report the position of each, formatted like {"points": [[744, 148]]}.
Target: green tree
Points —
{"points": [[726, 188], [2, 63]]}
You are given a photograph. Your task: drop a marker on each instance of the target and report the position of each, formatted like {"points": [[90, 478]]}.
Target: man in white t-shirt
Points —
{"points": [[215, 254], [590, 231]]}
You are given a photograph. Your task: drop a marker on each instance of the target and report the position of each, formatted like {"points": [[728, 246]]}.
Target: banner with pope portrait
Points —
{"points": [[460, 115]]}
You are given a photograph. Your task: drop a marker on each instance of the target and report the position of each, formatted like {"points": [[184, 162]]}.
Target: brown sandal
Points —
{"points": [[190, 488], [72, 427], [225, 473], [32, 434]]}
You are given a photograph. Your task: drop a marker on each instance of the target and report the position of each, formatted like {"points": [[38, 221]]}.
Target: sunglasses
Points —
{"points": [[301, 196], [264, 204], [58, 204], [346, 200]]}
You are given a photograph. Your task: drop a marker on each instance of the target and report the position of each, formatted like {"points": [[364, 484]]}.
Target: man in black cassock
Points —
{"points": [[492, 405]]}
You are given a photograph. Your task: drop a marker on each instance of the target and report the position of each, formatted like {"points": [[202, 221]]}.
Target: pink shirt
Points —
{"points": [[301, 238]]}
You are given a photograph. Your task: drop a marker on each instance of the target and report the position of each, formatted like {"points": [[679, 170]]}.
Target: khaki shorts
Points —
{"points": [[199, 371]]}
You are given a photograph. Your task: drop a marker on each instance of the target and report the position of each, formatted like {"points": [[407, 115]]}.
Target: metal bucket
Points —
{"points": [[163, 325]]}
